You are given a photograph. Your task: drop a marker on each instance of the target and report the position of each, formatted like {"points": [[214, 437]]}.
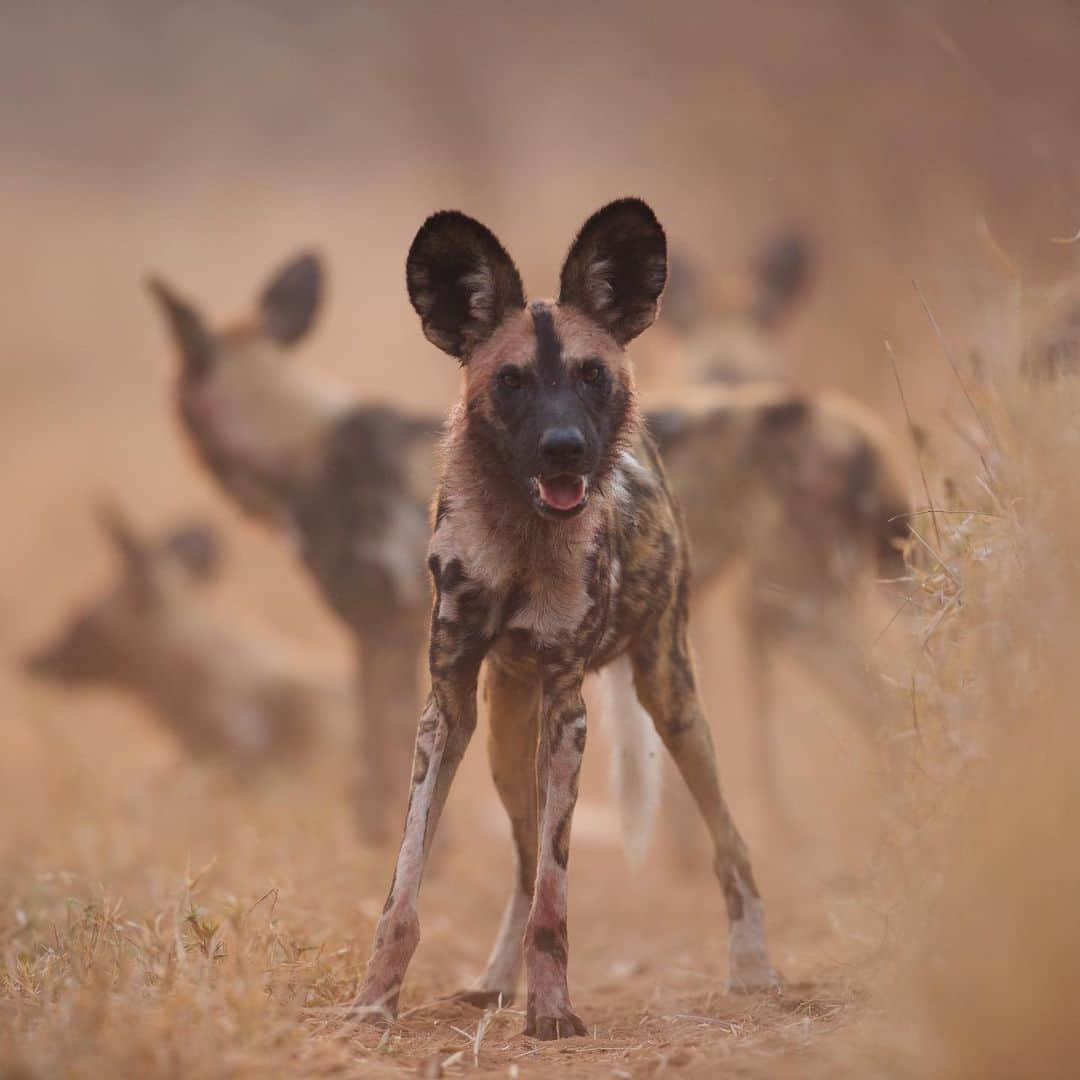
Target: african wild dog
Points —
{"points": [[221, 689], [806, 490], [557, 550], [727, 328], [807, 493], [349, 483]]}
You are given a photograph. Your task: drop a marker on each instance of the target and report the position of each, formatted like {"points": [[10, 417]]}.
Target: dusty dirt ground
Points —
{"points": [[156, 920], [134, 874]]}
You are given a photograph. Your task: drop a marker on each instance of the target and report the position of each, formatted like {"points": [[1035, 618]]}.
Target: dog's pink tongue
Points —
{"points": [[563, 492]]}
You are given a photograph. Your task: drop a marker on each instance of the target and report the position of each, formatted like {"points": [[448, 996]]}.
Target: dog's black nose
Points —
{"points": [[562, 448]]}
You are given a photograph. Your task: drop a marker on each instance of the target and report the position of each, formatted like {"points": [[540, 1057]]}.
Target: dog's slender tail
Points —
{"points": [[636, 758]]}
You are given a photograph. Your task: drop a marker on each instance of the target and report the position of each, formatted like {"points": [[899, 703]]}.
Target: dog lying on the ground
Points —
{"points": [[222, 691], [557, 550]]}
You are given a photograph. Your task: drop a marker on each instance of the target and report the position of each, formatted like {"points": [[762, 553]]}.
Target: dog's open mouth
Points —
{"points": [[564, 494]]}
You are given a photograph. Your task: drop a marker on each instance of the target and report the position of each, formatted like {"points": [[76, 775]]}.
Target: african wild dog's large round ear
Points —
{"points": [[195, 341], [134, 553], [461, 282], [684, 294], [783, 270], [197, 546], [289, 303], [120, 531], [616, 268]]}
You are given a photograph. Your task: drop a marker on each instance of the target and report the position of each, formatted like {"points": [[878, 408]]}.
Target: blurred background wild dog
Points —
{"points": [[807, 493], [224, 690], [349, 484], [805, 490], [732, 327]]}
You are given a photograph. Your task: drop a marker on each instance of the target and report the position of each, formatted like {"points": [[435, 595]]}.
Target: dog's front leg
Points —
{"points": [[446, 725], [562, 742]]}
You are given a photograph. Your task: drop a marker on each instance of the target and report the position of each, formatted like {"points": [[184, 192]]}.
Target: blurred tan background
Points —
{"points": [[209, 142]]}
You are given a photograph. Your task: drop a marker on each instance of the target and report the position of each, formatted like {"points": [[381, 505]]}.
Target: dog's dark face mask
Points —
{"points": [[548, 390]]}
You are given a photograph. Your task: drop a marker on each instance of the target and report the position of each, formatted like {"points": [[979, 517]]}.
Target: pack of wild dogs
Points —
{"points": [[545, 531]]}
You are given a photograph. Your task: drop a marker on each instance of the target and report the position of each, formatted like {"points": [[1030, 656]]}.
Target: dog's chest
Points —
{"points": [[549, 604], [540, 590]]}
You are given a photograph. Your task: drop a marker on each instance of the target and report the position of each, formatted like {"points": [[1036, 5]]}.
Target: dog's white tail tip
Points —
{"points": [[636, 759]]}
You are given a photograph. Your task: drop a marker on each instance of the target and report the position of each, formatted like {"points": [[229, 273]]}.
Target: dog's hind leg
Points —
{"points": [[666, 685], [763, 637], [831, 651], [680, 814], [513, 716], [833, 654], [389, 700]]}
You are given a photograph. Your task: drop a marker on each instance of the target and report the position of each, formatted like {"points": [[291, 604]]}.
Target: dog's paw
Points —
{"points": [[753, 976], [562, 1024], [484, 999], [374, 1005]]}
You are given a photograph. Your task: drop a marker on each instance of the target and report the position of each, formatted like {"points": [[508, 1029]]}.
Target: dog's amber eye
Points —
{"points": [[510, 377], [591, 371]]}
